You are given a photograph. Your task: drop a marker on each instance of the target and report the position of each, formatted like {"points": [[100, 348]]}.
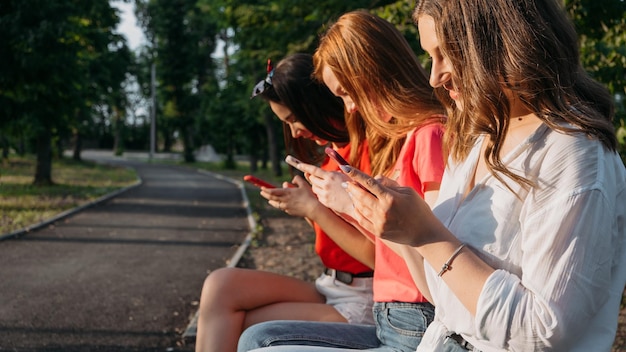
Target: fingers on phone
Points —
{"points": [[293, 161]]}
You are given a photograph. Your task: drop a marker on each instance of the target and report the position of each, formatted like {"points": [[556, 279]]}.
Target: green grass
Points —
{"points": [[23, 204]]}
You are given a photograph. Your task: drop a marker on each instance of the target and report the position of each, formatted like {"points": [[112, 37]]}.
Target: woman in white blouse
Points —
{"points": [[525, 249]]}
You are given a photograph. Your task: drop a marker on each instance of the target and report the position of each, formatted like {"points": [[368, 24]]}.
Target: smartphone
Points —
{"points": [[292, 161], [335, 156], [341, 161], [258, 182]]}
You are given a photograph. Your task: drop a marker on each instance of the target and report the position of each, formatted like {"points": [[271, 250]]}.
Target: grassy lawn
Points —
{"points": [[22, 204]]}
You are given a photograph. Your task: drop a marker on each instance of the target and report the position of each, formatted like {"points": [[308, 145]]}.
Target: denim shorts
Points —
{"points": [[399, 328], [353, 301], [401, 325]]}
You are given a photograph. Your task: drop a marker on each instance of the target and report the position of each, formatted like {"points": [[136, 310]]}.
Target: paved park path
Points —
{"points": [[123, 275]]}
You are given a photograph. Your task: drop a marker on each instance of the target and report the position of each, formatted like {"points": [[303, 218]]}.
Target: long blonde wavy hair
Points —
{"points": [[375, 65]]}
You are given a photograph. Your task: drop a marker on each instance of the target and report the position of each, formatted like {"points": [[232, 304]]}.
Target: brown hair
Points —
{"points": [[311, 102], [375, 65], [528, 47]]}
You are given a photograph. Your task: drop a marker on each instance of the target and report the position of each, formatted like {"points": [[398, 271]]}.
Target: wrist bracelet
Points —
{"points": [[448, 265]]}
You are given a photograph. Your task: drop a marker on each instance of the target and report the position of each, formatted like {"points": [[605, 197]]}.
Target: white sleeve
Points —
{"points": [[569, 247]]}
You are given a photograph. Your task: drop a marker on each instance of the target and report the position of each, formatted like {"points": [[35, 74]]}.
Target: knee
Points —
{"points": [[217, 285]]}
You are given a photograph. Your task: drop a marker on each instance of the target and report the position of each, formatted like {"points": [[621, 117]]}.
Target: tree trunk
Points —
{"points": [[78, 146], [254, 160], [43, 170], [21, 145], [5, 146], [272, 145], [254, 149], [167, 141], [118, 143], [59, 149], [188, 144]]}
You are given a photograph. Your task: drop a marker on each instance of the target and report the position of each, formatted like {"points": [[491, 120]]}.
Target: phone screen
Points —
{"points": [[335, 156], [258, 182]]}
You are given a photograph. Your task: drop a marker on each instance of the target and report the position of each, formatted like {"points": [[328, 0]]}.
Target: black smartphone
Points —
{"points": [[258, 182]]}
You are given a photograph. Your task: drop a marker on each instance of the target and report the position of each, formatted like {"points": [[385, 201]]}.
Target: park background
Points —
{"points": [[70, 81]]}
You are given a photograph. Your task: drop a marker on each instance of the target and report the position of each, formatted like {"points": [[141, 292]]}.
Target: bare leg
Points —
{"points": [[233, 299]]}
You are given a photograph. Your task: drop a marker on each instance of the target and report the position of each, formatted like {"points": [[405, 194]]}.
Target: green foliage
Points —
{"points": [[59, 59], [602, 30], [63, 68], [182, 41]]}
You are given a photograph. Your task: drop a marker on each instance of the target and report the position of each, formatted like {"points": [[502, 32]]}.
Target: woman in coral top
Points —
{"points": [[234, 298]]}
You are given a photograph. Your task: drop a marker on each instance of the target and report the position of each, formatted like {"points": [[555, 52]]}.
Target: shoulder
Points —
{"points": [[573, 161], [435, 128]]}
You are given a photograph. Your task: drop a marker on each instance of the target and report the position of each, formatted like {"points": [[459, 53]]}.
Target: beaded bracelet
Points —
{"points": [[448, 265]]}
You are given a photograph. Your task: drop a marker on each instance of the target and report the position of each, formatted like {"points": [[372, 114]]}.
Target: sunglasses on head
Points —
{"points": [[263, 85]]}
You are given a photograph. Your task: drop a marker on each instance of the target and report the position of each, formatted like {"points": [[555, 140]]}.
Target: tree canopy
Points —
{"points": [[65, 73]]}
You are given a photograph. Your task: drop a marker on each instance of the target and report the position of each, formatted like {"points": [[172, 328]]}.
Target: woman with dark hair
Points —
{"points": [[320, 116], [233, 298]]}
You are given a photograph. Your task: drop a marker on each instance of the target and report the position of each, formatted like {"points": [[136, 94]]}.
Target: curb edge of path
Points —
{"points": [[190, 332]]}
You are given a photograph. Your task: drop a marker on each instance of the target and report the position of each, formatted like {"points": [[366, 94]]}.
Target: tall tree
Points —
{"points": [[105, 61], [39, 73], [43, 75], [183, 42]]}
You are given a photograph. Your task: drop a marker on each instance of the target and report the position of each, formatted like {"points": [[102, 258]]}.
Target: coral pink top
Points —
{"points": [[420, 161]]}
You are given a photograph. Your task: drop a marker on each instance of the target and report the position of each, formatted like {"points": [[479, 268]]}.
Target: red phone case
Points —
{"points": [[335, 156], [258, 182]]}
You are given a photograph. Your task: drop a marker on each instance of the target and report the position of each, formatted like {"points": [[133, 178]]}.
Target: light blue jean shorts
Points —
{"points": [[399, 328]]}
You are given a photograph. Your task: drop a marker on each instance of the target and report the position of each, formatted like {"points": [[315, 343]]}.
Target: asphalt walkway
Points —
{"points": [[125, 274]]}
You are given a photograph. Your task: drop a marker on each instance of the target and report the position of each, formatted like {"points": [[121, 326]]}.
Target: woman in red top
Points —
{"points": [[233, 298]]}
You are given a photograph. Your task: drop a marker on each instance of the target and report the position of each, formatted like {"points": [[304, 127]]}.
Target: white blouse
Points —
{"points": [[559, 248]]}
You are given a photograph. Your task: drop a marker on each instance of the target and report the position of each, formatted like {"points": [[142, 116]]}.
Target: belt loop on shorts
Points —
{"points": [[345, 276], [461, 341]]}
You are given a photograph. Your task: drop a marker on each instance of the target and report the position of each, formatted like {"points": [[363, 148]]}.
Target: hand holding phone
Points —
{"points": [[292, 161], [258, 182], [341, 161]]}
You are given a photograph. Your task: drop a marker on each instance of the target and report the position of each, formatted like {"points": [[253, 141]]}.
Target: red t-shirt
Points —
{"points": [[420, 161], [329, 252]]}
